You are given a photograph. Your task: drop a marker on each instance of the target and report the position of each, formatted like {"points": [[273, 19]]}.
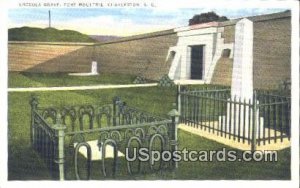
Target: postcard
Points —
{"points": [[136, 91]]}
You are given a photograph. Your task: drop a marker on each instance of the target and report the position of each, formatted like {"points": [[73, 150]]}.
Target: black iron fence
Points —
{"points": [[58, 135], [264, 118]]}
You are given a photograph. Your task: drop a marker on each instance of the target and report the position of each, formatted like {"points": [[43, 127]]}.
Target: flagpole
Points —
{"points": [[49, 19]]}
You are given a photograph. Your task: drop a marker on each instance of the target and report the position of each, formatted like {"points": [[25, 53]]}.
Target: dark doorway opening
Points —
{"points": [[197, 62]]}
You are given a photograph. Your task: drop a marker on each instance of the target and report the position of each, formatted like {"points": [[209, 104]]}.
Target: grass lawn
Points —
{"points": [[25, 164], [16, 79], [47, 35]]}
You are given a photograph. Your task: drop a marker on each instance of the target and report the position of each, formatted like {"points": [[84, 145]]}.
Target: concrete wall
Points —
{"points": [[271, 52], [228, 34], [223, 72], [144, 54], [49, 57]]}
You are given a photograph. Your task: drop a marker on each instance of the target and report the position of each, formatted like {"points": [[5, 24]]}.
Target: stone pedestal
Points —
{"points": [[94, 71], [239, 121]]}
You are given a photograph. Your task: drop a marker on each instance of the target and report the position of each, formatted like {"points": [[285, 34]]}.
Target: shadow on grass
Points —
{"points": [[25, 164], [26, 79]]}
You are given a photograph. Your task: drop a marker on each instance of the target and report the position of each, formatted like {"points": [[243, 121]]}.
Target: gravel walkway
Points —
{"points": [[70, 88]]}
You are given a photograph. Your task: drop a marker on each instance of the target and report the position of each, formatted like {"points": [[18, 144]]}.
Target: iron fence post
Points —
{"points": [[178, 98], [59, 128], [254, 123], [34, 105], [174, 115]]}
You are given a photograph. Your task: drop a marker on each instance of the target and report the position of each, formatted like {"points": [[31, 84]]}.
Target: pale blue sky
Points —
{"points": [[118, 21]]}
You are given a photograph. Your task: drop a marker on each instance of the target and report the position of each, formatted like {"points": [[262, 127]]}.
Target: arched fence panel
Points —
{"points": [[91, 142]]}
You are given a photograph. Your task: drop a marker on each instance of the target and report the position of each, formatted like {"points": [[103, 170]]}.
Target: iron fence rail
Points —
{"points": [[55, 131], [259, 120]]}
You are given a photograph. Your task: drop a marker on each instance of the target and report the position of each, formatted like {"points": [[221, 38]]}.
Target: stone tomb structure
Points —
{"points": [[197, 51]]}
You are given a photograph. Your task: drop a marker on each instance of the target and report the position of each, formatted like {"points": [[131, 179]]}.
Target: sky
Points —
{"points": [[118, 21]]}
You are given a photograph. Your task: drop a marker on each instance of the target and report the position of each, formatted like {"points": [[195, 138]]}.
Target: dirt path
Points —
{"points": [[70, 88]]}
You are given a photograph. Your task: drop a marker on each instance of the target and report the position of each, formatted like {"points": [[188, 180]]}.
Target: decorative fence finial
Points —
{"points": [[34, 101]]}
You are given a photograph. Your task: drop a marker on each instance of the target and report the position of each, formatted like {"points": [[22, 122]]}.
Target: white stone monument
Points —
{"points": [[94, 70], [242, 84], [242, 72]]}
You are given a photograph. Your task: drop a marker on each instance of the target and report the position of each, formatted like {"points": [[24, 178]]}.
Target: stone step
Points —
{"points": [[278, 145]]}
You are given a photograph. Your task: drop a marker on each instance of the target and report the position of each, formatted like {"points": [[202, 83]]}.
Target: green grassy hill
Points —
{"points": [[46, 35]]}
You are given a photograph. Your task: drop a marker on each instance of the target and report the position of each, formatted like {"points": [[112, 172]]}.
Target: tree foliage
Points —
{"points": [[206, 17]]}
